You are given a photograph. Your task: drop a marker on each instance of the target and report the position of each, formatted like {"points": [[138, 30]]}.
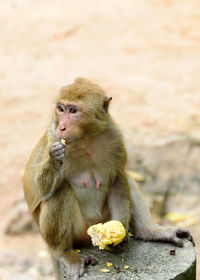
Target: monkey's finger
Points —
{"points": [[181, 232], [126, 238], [176, 241], [73, 272], [93, 261], [113, 249], [59, 152], [81, 269], [123, 246], [90, 260], [60, 157], [57, 146], [55, 149], [87, 261], [190, 238]]}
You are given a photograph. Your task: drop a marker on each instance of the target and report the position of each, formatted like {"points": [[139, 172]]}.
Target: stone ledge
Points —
{"points": [[147, 261]]}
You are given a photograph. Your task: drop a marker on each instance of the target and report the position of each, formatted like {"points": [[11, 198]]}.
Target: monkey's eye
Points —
{"points": [[60, 108], [72, 110]]}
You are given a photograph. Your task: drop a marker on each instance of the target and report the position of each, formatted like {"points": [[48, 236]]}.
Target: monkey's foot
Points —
{"points": [[89, 260], [76, 270], [177, 235], [170, 235]]}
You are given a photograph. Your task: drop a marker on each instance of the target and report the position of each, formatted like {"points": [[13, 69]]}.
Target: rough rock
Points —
{"points": [[146, 261]]}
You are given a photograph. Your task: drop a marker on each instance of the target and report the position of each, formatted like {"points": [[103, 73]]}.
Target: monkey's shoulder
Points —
{"points": [[38, 152]]}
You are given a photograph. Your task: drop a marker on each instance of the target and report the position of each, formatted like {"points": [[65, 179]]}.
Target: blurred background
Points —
{"points": [[146, 55]]}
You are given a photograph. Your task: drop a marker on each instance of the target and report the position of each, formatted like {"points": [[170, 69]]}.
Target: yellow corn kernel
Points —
{"points": [[78, 250], [105, 270], [126, 267], [63, 141], [109, 264], [112, 232]]}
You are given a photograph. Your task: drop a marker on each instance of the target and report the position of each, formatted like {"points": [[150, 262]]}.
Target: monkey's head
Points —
{"points": [[81, 110]]}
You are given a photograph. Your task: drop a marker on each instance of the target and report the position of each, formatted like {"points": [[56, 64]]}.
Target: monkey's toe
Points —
{"points": [[184, 233], [89, 260], [177, 241], [76, 270], [93, 261]]}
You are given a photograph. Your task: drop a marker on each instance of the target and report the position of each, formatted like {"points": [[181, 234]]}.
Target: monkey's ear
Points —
{"points": [[106, 103]]}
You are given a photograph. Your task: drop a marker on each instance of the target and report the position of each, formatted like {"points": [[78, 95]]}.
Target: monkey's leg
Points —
{"points": [[142, 226], [60, 223]]}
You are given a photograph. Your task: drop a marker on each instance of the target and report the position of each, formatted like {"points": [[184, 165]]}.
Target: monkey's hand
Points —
{"points": [[58, 151], [75, 270], [121, 247]]}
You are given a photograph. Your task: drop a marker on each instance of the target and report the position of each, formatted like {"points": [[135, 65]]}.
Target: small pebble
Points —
{"points": [[172, 252]]}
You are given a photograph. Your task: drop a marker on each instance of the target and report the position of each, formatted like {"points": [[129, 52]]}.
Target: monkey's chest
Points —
{"points": [[87, 180], [90, 190]]}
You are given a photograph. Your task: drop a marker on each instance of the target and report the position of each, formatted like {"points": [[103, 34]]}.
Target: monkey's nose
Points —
{"points": [[62, 128]]}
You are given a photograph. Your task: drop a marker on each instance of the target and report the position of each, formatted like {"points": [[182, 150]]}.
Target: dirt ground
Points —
{"points": [[146, 54]]}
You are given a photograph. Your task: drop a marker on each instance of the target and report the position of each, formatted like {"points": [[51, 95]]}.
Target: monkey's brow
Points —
{"points": [[68, 105]]}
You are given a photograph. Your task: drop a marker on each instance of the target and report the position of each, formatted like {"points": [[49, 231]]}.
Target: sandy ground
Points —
{"points": [[146, 54]]}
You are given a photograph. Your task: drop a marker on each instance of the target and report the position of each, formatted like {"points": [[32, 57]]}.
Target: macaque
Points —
{"points": [[73, 185]]}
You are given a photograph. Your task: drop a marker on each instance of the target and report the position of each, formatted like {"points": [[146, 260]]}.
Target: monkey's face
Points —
{"points": [[81, 110], [69, 118], [74, 120]]}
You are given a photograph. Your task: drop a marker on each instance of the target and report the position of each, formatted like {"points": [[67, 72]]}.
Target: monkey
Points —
{"points": [[73, 185]]}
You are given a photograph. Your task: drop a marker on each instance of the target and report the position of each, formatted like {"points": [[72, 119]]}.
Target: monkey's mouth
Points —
{"points": [[69, 140]]}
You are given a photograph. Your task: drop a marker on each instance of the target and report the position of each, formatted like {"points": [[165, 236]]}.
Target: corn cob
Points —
{"points": [[111, 232]]}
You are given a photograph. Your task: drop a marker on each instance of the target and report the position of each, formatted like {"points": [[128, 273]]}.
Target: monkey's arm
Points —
{"points": [[43, 172], [119, 206], [119, 200], [144, 229]]}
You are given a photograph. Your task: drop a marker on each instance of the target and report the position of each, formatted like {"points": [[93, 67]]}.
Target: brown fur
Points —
{"points": [[70, 188]]}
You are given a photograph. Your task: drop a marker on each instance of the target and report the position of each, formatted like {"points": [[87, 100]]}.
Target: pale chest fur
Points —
{"points": [[90, 177], [89, 189]]}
